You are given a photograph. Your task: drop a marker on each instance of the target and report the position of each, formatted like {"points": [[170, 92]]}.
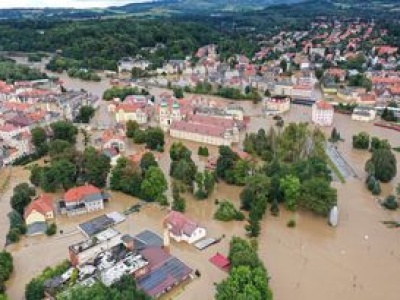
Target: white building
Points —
{"points": [[168, 114], [82, 199], [363, 114], [183, 229], [277, 105], [302, 92], [322, 113]]}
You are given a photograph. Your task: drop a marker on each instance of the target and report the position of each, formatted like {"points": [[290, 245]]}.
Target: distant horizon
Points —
{"points": [[10, 4]]}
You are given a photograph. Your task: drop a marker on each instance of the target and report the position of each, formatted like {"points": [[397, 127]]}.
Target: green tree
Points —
{"points": [[154, 184], [205, 182], [125, 177], [147, 161], [253, 227], [60, 149], [6, 266], [131, 128], [36, 175], [376, 143], [293, 142], [22, 196], [227, 212], [390, 203], [179, 203], [86, 112], [290, 186], [383, 163], [178, 93], [244, 283], [184, 170], [154, 138], [51, 229], [65, 173], [225, 162], [63, 130], [39, 140], [361, 141], [256, 190], [95, 167], [203, 151], [241, 170], [179, 151], [317, 196], [283, 64]]}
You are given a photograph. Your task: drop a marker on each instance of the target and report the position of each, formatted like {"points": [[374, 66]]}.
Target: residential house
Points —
{"points": [[277, 105], [183, 229], [322, 113], [82, 199], [304, 92], [38, 213], [130, 111], [283, 88], [363, 113], [113, 138]]}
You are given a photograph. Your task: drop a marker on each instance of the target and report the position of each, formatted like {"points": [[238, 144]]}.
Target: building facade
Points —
{"points": [[322, 113]]}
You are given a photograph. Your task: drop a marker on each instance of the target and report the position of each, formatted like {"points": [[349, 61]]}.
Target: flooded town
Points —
{"points": [[107, 174]]}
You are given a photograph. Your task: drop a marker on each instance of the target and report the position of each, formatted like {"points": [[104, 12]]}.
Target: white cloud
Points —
{"points": [[63, 3]]}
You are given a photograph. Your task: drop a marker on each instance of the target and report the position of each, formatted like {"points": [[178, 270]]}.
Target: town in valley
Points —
{"points": [[220, 158]]}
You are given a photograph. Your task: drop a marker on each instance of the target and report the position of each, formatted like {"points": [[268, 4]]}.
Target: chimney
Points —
{"points": [[166, 244], [129, 242]]}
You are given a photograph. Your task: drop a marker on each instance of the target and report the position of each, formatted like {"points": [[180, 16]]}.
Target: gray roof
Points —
{"points": [[96, 225], [94, 197], [146, 239], [36, 228]]}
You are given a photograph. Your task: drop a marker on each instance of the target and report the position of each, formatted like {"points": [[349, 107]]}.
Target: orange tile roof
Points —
{"points": [[323, 105], [43, 204], [77, 193]]}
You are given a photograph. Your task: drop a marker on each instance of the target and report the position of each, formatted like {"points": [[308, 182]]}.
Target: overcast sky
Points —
{"points": [[63, 3]]}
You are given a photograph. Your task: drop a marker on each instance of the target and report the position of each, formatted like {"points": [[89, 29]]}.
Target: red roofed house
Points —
{"points": [[37, 213], [206, 129], [181, 228], [130, 111], [322, 113], [387, 50], [83, 199]]}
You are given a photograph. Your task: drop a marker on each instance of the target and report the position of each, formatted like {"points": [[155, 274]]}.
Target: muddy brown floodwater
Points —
{"points": [[358, 260]]}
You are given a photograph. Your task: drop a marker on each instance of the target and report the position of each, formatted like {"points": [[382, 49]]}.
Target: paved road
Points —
{"points": [[343, 166]]}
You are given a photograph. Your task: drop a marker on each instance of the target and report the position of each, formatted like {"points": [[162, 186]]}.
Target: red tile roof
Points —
{"points": [[323, 105], [220, 261], [77, 193], [180, 224], [43, 204]]}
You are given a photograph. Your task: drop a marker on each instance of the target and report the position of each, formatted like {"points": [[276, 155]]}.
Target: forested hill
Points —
{"points": [[151, 8]]}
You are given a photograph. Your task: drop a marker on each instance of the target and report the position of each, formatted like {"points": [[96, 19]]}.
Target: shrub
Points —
{"points": [[390, 203], [291, 223], [13, 235], [227, 212], [51, 229]]}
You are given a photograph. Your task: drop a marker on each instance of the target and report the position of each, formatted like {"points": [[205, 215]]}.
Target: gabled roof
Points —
{"points": [[180, 224], [43, 204], [81, 192], [323, 105]]}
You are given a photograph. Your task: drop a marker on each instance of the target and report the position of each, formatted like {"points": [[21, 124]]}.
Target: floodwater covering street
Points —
{"points": [[358, 260]]}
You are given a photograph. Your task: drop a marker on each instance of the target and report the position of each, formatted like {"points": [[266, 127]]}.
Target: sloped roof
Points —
{"points": [[43, 204], [180, 224], [80, 192]]}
